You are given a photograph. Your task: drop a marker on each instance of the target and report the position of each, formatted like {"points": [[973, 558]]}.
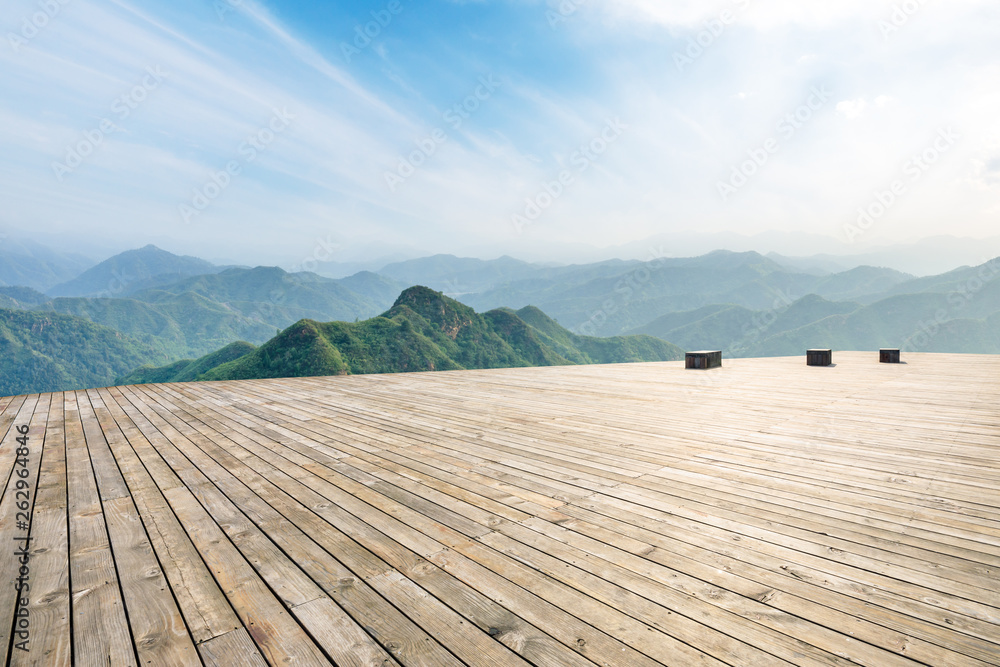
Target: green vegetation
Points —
{"points": [[269, 295], [52, 352], [187, 369], [188, 316], [423, 331], [743, 303], [181, 326], [24, 297]]}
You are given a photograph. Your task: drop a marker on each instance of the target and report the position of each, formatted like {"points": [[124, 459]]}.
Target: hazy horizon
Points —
{"points": [[246, 130], [926, 257]]}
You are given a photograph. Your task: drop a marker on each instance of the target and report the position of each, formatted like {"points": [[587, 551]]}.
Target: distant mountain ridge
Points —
{"points": [[957, 312], [131, 271], [458, 275], [191, 315], [599, 301], [744, 303], [423, 331]]}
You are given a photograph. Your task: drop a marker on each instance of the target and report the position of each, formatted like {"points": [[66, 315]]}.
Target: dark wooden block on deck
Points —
{"points": [[703, 359], [888, 355], [819, 357]]}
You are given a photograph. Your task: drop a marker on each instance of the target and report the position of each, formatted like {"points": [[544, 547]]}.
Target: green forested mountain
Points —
{"points": [[53, 352], [195, 315], [21, 297], [187, 369], [742, 303], [424, 330], [272, 295], [859, 282], [181, 325]]}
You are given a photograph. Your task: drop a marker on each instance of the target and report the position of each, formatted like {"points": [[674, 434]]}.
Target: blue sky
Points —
{"points": [[272, 131]]}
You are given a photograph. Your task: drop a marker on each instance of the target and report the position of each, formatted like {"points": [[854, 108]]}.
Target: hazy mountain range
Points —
{"points": [[68, 256], [150, 307]]}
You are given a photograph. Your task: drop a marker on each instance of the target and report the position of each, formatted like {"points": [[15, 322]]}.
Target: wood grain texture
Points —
{"points": [[51, 638], [567, 516]]}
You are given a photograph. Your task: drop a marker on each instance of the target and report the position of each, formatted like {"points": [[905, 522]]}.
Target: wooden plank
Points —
{"points": [[19, 495], [556, 516], [232, 649], [347, 643], [158, 629], [346, 460], [206, 611], [973, 579], [952, 620], [100, 626], [51, 641], [270, 561], [425, 610], [278, 636], [275, 632], [640, 643], [520, 636], [862, 613]]}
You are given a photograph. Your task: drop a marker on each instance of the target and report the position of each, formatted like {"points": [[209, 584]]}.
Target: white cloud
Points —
{"points": [[326, 173]]}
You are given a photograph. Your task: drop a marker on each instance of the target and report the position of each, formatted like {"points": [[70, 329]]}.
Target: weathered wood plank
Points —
{"points": [[100, 626], [51, 641], [205, 609], [232, 649], [16, 505], [566, 516]]}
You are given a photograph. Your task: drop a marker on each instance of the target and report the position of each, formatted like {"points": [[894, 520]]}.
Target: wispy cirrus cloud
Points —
{"points": [[355, 121]]}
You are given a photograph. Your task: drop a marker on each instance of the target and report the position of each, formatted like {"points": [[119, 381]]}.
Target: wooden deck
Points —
{"points": [[765, 513]]}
